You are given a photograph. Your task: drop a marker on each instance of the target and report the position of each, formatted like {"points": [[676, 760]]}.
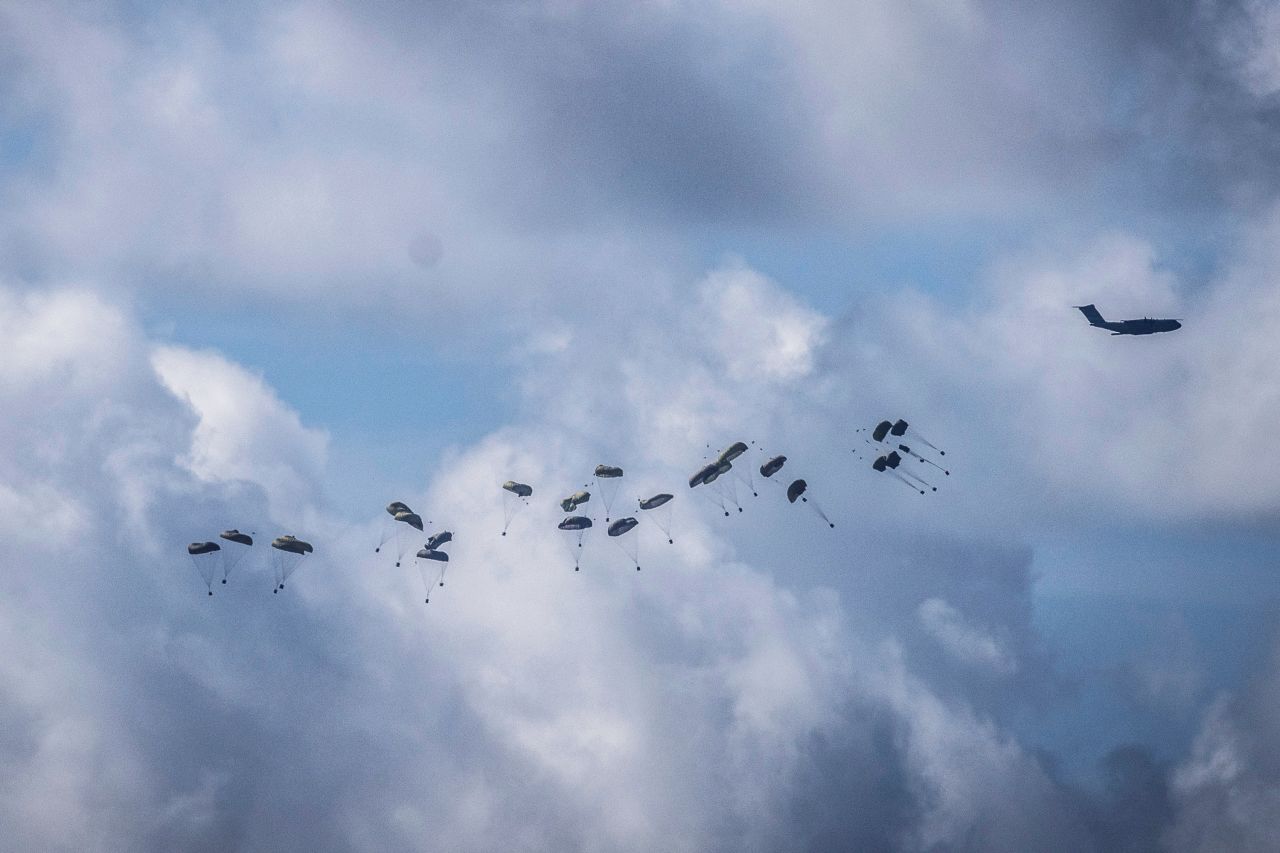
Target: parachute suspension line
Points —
{"points": [[813, 505], [385, 535], [918, 478], [204, 569], [910, 485], [910, 452]]}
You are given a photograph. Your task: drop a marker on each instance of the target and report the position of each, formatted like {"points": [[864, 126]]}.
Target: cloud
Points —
{"points": [[961, 640], [1227, 790]]}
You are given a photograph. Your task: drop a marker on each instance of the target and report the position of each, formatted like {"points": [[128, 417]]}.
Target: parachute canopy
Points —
{"points": [[899, 427], [881, 430], [396, 507], [438, 539], [621, 526], [732, 452], [709, 473], [655, 501], [292, 544], [880, 464], [607, 471], [197, 548], [410, 518], [519, 489], [575, 522], [432, 554], [773, 466], [574, 501], [796, 489], [236, 536]]}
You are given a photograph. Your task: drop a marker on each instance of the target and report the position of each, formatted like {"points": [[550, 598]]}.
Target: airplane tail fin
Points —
{"points": [[1091, 314]]}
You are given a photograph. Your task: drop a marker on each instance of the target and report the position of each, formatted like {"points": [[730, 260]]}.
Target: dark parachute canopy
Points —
{"points": [[732, 452], [773, 466], [292, 545], [389, 528], [884, 432], [575, 500], [629, 544], [622, 525], [520, 490], [662, 517], [438, 539], [431, 556], [410, 518], [796, 489], [608, 479], [287, 554], [232, 557], [514, 498], [709, 474], [889, 464], [205, 556], [576, 526], [901, 428]]}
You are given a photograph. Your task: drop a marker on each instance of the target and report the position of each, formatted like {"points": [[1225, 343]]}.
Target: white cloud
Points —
{"points": [[961, 640]]}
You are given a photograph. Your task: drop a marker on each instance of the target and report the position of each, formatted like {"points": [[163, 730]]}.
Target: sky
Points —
{"points": [[272, 266]]}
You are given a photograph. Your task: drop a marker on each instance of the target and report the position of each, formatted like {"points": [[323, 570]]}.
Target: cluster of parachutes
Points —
{"points": [[885, 436], [429, 556], [212, 559], [718, 480]]}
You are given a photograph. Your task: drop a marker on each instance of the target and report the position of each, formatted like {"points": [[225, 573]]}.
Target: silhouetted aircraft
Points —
{"points": [[1145, 326]]}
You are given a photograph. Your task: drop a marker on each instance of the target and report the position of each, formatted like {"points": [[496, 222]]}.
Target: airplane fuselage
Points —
{"points": [[1145, 326]]}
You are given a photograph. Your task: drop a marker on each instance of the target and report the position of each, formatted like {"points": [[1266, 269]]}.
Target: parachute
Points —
{"points": [[514, 498], [232, 556], [882, 464], [437, 539], [431, 555], [206, 556], [772, 467], [901, 428], [797, 490], [743, 473], [893, 460], [883, 433], [288, 553], [410, 518], [413, 520], [389, 528], [574, 501], [709, 474], [607, 477], [629, 544], [576, 525], [660, 507], [732, 452]]}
